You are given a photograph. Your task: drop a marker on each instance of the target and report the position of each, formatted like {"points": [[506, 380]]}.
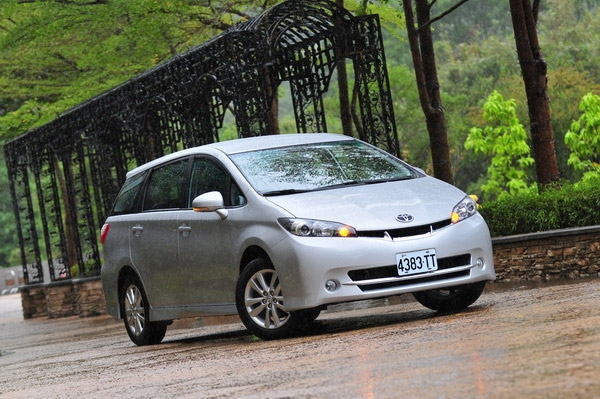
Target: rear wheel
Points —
{"points": [[450, 299], [140, 329], [260, 302]]}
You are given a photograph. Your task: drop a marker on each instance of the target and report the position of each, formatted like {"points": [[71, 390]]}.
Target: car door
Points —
{"points": [[207, 259], [154, 233]]}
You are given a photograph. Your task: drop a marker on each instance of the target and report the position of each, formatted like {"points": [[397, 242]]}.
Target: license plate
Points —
{"points": [[416, 262]]}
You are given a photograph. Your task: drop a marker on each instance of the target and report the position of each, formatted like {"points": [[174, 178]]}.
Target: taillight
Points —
{"points": [[104, 233]]}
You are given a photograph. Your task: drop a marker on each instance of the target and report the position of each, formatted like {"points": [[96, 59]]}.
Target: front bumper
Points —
{"points": [[365, 268]]}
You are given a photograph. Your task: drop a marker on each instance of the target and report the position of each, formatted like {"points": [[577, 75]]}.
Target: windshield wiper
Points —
{"points": [[284, 192], [409, 177], [362, 182], [343, 184]]}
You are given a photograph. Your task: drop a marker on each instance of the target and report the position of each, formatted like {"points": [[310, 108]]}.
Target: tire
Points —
{"points": [[135, 315], [260, 302], [451, 299], [307, 316]]}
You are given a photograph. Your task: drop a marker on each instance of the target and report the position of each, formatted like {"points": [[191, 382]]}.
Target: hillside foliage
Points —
{"points": [[55, 54]]}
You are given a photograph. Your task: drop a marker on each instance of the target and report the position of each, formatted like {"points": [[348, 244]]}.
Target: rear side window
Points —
{"points": [[126, 199], [166, 187]]}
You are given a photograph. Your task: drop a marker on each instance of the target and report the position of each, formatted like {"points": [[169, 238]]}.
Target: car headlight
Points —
{"points": [[464, 209], [316, 228]]}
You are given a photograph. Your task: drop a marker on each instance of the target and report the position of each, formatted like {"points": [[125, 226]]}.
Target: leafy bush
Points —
{"points": [[571, 205], [504, 138], [583, 138]]}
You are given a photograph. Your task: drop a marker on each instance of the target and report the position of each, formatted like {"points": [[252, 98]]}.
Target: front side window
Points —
{"points": [[166, 187], [207, 175], [318, 166]]}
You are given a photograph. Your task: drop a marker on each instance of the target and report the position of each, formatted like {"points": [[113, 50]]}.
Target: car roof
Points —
{"points": [[230, 147], [274, 141]]}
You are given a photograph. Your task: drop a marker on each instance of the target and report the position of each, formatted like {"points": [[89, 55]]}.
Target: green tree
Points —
{"points": [[524, 15], [56, 54], [505, 140], [471, 69], [9, 242], [474, 22], [420, 40], [583, 138]]}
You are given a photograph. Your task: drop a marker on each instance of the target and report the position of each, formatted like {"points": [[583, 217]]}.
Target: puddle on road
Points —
{"points": [[500, 285]]}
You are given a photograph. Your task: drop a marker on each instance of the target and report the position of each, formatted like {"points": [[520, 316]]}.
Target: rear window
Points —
{"points": [[125, 201]]}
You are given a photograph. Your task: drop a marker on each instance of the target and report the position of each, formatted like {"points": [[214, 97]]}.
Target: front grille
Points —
{"points": [[405, 232], [392, 271]]}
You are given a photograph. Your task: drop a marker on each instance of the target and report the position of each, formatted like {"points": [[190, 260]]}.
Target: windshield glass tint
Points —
{"points": [[318, 166]]}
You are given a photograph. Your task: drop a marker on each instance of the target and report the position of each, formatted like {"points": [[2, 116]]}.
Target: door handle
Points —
{"points": [[137, 230], [185, 230]]}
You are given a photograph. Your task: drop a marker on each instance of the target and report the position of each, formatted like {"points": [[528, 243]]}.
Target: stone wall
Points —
{"points": [[78, 297], [545, 256], [33, 301]]}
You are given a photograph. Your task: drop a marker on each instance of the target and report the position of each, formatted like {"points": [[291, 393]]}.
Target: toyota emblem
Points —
{"points": [[405, 218]]}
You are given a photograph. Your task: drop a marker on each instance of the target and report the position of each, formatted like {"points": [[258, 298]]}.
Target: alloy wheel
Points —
{"points": [[135, 314], [264, 301]]}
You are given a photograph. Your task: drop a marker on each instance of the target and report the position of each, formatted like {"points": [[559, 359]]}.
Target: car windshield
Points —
{"points": [[294, 169]]}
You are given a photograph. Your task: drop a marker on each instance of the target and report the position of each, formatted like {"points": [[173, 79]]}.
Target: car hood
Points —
{"points": [[376, 206]]}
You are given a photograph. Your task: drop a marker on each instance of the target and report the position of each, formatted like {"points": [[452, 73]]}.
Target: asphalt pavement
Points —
{"points": [[517, 341]]}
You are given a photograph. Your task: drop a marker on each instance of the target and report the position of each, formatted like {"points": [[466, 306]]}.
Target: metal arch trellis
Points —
{"points": [[64, 175]]}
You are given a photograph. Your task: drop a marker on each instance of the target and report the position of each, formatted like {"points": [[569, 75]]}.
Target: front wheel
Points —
{"points": [[260, 302], [140, 329], [450, 299]]}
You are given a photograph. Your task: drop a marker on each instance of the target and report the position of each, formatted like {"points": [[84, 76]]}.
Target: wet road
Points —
{"points": [[519, 342]]}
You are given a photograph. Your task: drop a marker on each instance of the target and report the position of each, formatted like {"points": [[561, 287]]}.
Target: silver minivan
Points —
{"points": [[275, 228]]}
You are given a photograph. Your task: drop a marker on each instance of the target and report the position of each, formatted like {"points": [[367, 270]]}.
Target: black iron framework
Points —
{"points": [[65, 175]]}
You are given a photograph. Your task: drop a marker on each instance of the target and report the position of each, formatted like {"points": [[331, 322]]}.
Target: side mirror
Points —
{"points": [[210, 202]]}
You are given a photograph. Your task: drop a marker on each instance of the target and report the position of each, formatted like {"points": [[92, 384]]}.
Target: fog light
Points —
{"points": [[480, 262], [331, 285]]}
